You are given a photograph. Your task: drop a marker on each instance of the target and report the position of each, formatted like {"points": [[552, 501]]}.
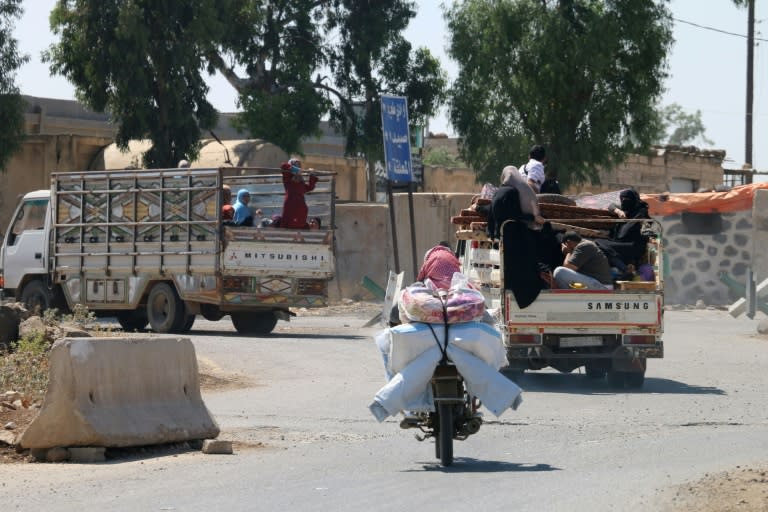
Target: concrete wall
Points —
{"points": [[364, 238], [350, 174], [760, 235], [31, 168], [450, 179], [652, 173]]}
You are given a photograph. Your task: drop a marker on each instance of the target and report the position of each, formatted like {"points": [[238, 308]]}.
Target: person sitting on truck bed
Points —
{"points": [[584, 263], [227, 210], [514, 200], [243, 216], [627, 239], [294, 206]]}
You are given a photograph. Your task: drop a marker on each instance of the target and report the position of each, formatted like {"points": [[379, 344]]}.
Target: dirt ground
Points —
{"points": [[741, 489]]}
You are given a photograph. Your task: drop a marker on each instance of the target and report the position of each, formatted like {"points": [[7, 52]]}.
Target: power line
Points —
{"points": [[713, 29]]}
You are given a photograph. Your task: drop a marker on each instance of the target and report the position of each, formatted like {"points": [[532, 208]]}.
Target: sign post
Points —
{"points": [[397, 154]]}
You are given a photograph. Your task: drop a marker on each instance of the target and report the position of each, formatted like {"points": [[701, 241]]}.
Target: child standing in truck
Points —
{"points": [[294, 206]]}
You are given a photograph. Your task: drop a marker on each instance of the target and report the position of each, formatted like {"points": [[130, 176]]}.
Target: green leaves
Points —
{"points": [[141, 62], [11, 103], [579, 76]]}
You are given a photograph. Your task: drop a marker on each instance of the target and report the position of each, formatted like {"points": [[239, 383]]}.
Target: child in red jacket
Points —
{"points": [[294, 206]]}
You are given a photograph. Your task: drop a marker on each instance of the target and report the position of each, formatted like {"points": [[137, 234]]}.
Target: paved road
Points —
{"points": [[305, 440]]}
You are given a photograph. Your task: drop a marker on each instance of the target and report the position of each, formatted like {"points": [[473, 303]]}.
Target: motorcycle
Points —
{"points": [[432, 382], [455, 413], [455, 416]]}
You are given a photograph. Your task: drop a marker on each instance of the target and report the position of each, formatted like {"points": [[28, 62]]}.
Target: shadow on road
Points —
{"points": [[470, 465], [579, 383], [279, 335]]}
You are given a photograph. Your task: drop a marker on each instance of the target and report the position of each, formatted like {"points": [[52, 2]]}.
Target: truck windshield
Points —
{"points": [[31, 216]]}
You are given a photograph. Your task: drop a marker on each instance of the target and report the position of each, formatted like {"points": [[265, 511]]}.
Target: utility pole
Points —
{"points": [[750, 80]]}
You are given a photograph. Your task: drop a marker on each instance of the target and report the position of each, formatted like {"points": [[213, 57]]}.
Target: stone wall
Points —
{"points": [[694, 260]]}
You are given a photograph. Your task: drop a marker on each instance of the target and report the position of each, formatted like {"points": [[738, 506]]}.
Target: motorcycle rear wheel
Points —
{"points": [[445, 435]]}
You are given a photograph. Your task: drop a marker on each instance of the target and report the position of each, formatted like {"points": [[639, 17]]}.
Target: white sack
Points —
{"points": [[402, 344]]}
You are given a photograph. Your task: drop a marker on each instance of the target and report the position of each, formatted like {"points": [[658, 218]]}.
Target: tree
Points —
{"points": [[372, 58], [680, 128], [579, 76], [148, 74], [11, 103], [141, 62]]}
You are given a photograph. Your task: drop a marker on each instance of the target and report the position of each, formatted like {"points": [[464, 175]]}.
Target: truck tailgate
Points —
{"points": [[596, 308]]}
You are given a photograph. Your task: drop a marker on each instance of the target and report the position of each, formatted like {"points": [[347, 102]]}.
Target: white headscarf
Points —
{"points": [[529, 203]]}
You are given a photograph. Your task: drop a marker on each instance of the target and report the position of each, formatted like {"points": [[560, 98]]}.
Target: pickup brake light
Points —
{"points": [[527, 339], [639, 339]]}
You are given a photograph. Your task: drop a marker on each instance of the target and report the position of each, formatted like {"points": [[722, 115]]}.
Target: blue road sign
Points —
{"points": [[397, 140]]}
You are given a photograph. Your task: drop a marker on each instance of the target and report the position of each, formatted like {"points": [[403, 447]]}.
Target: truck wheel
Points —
{"points": [[634, 380], [188, 322], [616, 379], [594, 371], [513, 374], [254, 323], [165, 309], [36, 296], [131, 321], [211, 313]]}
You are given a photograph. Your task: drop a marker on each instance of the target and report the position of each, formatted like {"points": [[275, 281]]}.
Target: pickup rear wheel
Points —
{"points": [[131, 321], [36, 296], [254, 322], [189, 320], [595, 371], [165, 309]]}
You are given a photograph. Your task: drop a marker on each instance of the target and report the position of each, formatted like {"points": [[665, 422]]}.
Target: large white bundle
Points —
{"points": [[410, 388], [406, 342]]}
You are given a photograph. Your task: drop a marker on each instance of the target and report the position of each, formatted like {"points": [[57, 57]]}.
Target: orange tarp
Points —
{"points": [[736, 199]]}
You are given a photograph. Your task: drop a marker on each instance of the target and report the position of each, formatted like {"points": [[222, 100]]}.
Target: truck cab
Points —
{"points": [[24, 256]]}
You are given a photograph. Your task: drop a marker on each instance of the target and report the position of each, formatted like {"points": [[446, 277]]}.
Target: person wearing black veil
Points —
{"points": [[627, 240]]}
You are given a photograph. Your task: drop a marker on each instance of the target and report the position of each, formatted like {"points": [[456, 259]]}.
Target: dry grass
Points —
{"points": [[25, 369]]}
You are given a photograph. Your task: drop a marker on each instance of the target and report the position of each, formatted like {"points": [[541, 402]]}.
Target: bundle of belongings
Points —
{"points": [[412, 351]]}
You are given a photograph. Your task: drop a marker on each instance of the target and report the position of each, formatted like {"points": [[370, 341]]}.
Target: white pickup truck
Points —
{"points": [[609, 332], [149, 247]]}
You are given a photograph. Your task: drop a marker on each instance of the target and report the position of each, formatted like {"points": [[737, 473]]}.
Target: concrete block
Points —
{"points": [[39, 454], [119, 392], [87, 454], [57, 454], [217, 447], [740, 306]]}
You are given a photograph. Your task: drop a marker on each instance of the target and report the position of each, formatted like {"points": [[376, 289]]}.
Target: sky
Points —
{"points": [[707, 69]]}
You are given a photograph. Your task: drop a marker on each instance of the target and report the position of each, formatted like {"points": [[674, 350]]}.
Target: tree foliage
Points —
{"points": [[579, 76], [141, 61], [680, 128], [149, 74], [372, 57], [11, 103]]}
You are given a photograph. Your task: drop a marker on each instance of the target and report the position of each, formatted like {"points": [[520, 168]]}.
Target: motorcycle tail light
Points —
{"points": [[639, 339], [475, 244], [2, 281], [527, 339]]}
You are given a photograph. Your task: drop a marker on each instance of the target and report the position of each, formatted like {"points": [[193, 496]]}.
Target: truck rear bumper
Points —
{"points": [[619, 352]]}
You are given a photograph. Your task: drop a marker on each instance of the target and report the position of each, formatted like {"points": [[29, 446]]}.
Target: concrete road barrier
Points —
{"points": [[121, 392]]}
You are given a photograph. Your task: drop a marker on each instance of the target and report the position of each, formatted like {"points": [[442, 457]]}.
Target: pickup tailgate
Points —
{"points": [[609, 310], [269, 252]]}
